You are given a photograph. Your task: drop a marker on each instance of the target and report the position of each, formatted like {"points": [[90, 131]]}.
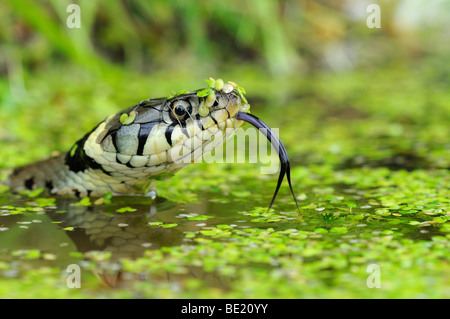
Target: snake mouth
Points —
{"points": [[285, 167]]}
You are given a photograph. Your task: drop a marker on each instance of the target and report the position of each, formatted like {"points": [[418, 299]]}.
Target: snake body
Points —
{"points": [[129, 150]]}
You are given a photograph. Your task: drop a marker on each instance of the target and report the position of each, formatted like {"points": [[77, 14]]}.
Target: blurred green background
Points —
{"points": [[339, 82], [364, 114]]}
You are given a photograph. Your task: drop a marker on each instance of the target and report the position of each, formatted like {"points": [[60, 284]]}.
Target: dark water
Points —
{"points": [[63, 233]]}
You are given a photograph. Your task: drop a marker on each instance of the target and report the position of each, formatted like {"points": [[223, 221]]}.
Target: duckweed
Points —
{"points": [[127, 119], [86, 201], [199, 217], [126, 209]]}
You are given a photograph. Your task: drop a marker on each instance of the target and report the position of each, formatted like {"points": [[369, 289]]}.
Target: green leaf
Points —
{"points": [[169, 225], [177, 94], [33, 254], [241, 93], [211, 82], [84, 202], [43, 202], [107, 198], [155, 223], [339, 230], [73, 150], [182, 92], [35, 193], [126, 209], [200, 217], [204, 92], [218, 85], [190, 235], [126, 119]]}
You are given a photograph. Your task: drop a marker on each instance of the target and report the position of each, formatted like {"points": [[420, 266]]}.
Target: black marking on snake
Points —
{"points": [[143, 134], [212, 117], [118, 160], [77, 192], [49, 186], [114, 140], [111, 132], [29, 183], [80, 161], [285, 168], [184, 130], [168, 133], [114, 123], [228, 112], [199, 122]]}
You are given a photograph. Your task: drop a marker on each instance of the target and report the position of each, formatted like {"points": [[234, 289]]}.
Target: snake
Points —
{"points": [[128, 152]]}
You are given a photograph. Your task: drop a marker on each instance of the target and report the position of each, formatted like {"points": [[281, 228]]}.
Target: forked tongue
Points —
{"points": [[285, 168]]}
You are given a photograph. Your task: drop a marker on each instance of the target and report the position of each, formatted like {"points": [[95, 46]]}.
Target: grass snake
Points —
{"points": [[128, 151]]}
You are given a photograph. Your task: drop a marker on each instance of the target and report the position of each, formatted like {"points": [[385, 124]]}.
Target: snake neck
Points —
{"points": [[57, 178]]}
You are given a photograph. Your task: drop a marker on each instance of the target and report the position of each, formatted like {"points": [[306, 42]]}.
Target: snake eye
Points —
{"points": [[181, 110]]}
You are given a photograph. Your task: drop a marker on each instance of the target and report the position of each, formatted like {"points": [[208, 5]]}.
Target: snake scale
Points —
{"points": [[128, 151]]}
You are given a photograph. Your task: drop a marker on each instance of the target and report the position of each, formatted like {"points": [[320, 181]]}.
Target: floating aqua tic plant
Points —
{"points": [[127, 119], [178, 93], [219, 85], [205, 92]]}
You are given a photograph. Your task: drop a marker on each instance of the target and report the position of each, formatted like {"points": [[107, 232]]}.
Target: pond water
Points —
{"points": [[213, 241]]}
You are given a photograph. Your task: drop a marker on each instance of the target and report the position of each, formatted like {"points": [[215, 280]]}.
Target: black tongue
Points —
{"points": [[279, 147]]}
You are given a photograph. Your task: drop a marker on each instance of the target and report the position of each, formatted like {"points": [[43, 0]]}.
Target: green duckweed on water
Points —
{"points": [[348, 223], [366, 131]]}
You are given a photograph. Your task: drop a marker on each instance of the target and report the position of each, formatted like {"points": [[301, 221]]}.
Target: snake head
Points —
{"points": [[159, 136]]}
